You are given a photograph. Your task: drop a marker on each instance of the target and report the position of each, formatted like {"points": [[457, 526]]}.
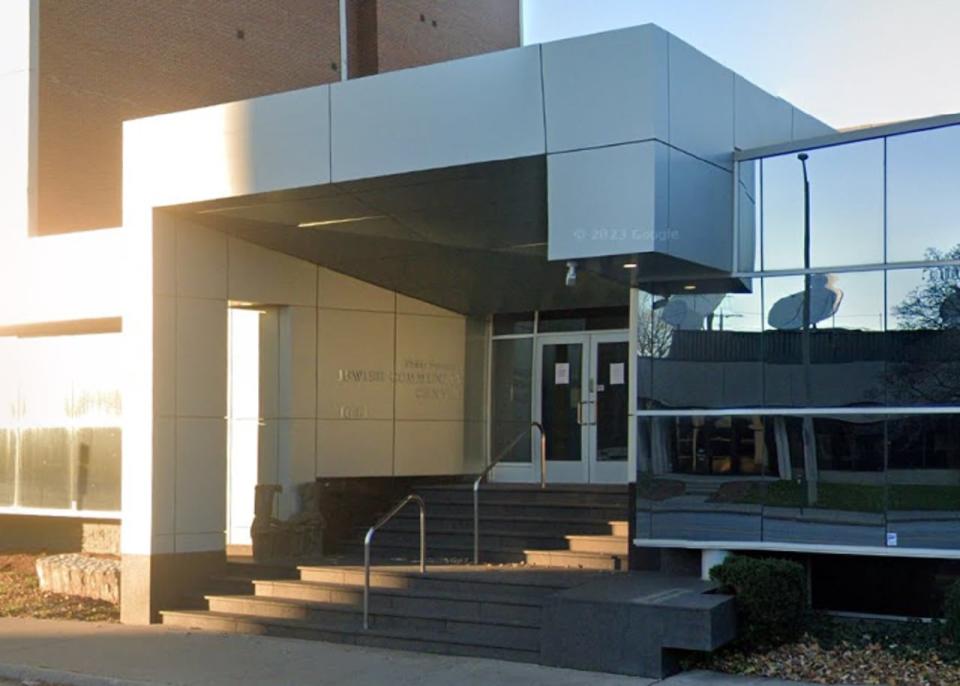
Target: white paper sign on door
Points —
{"points": [[561, 373], [616, 373]]}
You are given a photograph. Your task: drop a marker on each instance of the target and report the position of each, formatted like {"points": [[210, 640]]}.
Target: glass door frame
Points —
{"points": [[588, 469], [565, 471], [605, 472], [529, 472]]}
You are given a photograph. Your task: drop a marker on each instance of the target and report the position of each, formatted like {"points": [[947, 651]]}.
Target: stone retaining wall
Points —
{"points": [[80, 575]]}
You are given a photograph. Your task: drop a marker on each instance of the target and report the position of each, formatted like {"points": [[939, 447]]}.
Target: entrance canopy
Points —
{"points": [[472, 183], [471, 238]]}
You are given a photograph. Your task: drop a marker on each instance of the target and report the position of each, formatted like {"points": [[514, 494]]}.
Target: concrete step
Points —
{"points": [[482, 632], [230, 585], [613, 545], [490, 539], [576, 560], [619, 527], [386, 555], [348, 632], [534, 498], [540, 526], [529, 585], [247, 568], [481, 604], [512, 510], [530, 490]]}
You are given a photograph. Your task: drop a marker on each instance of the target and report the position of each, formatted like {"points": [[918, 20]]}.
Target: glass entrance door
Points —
{"points": [[563, 395], [608, 425], [582, 403]]}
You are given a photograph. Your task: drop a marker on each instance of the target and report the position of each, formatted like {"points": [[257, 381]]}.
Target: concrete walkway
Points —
{"points": [[84, 654]]}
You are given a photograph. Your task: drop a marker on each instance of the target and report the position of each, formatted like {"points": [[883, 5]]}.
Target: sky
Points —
{"points": [[847, 62]]}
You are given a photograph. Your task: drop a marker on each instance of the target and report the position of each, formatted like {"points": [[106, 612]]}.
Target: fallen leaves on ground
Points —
{"points": [[20, 595], [844, 650], [806, 660]]}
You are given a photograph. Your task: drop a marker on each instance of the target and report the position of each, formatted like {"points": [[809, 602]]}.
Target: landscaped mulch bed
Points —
{"points": [[20, 595], [844, 651]]}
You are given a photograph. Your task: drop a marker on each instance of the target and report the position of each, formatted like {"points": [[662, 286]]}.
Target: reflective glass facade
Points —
{"points": [[822, 404], [60, 416]]}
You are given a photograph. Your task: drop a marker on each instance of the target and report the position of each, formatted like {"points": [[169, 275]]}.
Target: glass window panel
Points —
{"points": [[653, 340], [511, 402], [923, 475], [98, 469], [45, 467], [561, 375], [610, 408], [849, 443], [923, 206], [96, 377], [8, 465], [748, 209], [709, 355], [846, 207], [46, 392], [55, 385], [930, 442], [845, 348], [784, 380], [724, 446], [848, 351], [923, 324], [9, 390], [510, 324], [587, 319]]}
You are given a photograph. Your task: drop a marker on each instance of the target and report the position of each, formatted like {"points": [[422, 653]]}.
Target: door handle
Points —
{"points": [[583, 413]]}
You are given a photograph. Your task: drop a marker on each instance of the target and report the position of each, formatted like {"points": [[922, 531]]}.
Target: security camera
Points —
{"points": [[571, 278]]}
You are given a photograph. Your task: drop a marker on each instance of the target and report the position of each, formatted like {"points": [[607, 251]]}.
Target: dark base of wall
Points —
{"points": [[907, 587], [348, 503], [904, 587], [27, 533], [151, 583], [675, 561]]}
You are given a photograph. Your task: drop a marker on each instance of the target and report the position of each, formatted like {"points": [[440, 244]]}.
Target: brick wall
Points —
{"points": [[105, 61], [416, 32]]}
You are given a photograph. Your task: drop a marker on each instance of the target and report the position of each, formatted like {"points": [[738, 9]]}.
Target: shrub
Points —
{"points": [[951, 613], [771, 597]]}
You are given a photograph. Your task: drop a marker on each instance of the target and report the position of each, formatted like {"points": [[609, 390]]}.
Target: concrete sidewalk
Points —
{"points": [[85, 654]]}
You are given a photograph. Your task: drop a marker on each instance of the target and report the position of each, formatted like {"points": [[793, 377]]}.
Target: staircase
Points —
{"points": [[454, 610], [582, 527], [545, 541]]}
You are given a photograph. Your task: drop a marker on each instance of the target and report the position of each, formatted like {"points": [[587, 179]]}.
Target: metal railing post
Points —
{"points": [[366, 578], [423, 537], [543, 455], [493, 463], [368, 539], [476, 521]]}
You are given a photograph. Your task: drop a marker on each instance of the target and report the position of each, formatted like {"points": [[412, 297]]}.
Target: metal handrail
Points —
{"points": [[493, 463], [369, 538]]}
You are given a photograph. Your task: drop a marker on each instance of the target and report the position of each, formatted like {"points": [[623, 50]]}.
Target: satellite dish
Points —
{"points": [[950, 309], [688, 312], [825, 298]]}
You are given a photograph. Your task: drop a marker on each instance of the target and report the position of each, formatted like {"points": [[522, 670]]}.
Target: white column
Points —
{"points": [[710, 559]]}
